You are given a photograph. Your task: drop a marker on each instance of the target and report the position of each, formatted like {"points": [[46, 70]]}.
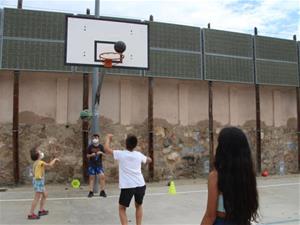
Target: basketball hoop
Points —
{"points": [[111, 58]]}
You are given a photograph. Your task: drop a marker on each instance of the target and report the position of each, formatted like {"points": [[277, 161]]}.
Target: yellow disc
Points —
{"points": [[75, 183]]}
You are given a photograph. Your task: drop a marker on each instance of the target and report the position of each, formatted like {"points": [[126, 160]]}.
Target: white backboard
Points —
{"points": [[87, 38]]}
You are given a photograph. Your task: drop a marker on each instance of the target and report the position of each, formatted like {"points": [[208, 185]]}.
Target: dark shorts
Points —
{"points": [[94, 170], [127, 194]]}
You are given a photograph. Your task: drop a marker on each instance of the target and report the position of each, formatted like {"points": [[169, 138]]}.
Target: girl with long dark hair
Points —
{"points": [[232, 191]]}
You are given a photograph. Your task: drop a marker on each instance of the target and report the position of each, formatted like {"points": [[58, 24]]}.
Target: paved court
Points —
{"points": [[279, 204]]}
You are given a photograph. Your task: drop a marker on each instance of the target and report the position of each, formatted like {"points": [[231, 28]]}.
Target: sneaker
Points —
{"points": [[103, 194], [33, 217], [43, 212], [91, 194]]}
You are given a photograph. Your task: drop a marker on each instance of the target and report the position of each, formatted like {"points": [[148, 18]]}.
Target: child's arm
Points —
{"points": [[149, 160], [90, 155], [50, 164], [101, 152], [107, 147]]}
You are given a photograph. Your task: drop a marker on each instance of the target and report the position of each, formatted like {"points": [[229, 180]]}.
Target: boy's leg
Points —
{"points": [[91, 173], [43, 200], [139, 197], [102, 181], [91, 185], [101, 178], [91, 182], [124, 202], [35, 201], [138, 213], [122, 214]]}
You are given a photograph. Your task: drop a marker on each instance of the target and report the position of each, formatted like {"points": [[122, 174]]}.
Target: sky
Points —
{"points": [[275, 18]]}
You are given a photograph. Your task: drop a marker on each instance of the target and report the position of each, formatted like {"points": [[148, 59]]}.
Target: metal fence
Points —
{"points": [[34, 40]]}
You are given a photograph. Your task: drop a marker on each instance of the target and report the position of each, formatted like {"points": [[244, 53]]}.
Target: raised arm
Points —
{"points": [[107, 147], [52, 162]]}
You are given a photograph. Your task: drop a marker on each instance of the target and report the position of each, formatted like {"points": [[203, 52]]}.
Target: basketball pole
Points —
{"points": [[257, 107], [96, 89], [15, 128]]}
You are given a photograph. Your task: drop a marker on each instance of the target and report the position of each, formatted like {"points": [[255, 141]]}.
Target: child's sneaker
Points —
{"points": [[103, 194], [43, 212], [91, 194], [33, 217]]}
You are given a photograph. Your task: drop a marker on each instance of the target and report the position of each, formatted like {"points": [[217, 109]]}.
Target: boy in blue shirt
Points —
{"points": [[95, 167]]}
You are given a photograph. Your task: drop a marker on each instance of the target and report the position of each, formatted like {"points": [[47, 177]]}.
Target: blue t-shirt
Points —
{"points": [[95, 161]]}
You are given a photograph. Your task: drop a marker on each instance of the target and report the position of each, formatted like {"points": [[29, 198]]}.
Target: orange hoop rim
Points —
{"points": [[111, 58]]}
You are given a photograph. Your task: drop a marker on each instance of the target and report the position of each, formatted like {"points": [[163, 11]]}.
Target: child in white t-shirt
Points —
{"points": [[131, 180]]}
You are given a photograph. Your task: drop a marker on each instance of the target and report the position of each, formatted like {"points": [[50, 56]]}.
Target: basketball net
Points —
{"points": [[111, 58]]}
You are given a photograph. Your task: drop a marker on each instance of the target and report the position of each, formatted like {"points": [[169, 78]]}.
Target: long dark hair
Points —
{"points": [[236, 177]]}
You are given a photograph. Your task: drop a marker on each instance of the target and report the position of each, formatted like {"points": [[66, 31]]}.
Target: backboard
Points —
{"points": [[86, 38]]}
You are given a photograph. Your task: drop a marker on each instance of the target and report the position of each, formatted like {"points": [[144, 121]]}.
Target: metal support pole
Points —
{"points": [[20, 4], [15, 131], [150, 124], [298, 104], [257, 101], [96, 89], [85, 125], [150, 127], [210, 109], [95, 85], [258, 129], [298, 124], [210, 126]]}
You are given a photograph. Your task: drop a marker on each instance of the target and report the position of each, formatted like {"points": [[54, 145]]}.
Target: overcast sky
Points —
{"points": [[276, 18]]}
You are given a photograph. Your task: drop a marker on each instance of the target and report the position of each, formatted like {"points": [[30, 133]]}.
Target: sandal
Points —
{"points": [[43, 212], [33, 217]]}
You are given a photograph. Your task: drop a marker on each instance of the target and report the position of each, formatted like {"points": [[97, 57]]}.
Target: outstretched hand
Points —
{"points": [[107, 148], [56, 159], [109, 137]]}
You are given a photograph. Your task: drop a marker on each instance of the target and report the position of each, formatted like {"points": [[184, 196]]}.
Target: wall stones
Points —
{"points": [[179, 151], [279, 145]]}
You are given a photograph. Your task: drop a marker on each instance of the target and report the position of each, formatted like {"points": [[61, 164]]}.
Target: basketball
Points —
{"points": [[120, 46], [265, 173]]}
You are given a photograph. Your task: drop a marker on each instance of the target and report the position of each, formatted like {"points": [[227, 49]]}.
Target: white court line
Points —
{"points": [[81, 190], [278, 185], [110, 196], [150, 194]]}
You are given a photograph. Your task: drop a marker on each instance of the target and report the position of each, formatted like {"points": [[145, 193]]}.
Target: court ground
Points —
{"points": [[279, 204]]}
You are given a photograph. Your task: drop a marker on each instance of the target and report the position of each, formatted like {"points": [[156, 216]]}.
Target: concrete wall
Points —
{"points": [[6, 93], [180, 102], [233, 104], [50, 105], [124, 100]]}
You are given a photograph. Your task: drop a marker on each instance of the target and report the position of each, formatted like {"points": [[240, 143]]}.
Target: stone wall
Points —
{"points": [[52, 139], [279, 144], [64, 142], [49, 118], [180, 151]]}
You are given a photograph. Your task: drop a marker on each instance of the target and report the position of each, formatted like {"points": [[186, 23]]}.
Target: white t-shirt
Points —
{"points": [[130, 173]]}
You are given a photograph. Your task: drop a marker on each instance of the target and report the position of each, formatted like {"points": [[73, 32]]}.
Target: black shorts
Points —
{"points": [[127, 194]]}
